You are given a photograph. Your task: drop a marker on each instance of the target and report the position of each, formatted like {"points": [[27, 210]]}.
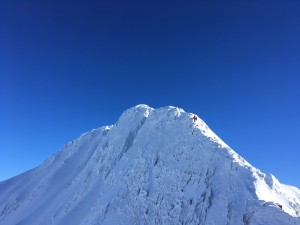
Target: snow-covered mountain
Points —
{"points": [[154, 166]]}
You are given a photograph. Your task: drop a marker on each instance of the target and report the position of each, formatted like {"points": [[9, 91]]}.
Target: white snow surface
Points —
{"points": [[154, 166]]}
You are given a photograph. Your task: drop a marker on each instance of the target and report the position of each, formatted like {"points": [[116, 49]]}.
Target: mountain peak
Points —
{"points": [[154, 166]]}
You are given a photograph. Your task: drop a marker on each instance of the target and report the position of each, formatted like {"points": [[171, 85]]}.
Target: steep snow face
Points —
{"points": [[151, 167]]}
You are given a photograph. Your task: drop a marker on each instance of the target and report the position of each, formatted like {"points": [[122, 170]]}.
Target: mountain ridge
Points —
{"points": [[154, 166]]}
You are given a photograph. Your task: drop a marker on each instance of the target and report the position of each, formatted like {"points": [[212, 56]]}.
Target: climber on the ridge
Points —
{"points": [[195, 118]]}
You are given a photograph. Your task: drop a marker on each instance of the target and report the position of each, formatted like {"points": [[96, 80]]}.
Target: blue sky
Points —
{"points": [[69, 66]]}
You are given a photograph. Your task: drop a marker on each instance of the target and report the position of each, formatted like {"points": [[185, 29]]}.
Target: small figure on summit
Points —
{"points": [[195, 118]]}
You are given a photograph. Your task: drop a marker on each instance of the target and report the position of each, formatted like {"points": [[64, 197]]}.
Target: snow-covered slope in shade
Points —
{"points": [[151, 167]]}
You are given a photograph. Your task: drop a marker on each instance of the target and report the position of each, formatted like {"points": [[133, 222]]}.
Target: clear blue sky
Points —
{"points": [[69, 66]]}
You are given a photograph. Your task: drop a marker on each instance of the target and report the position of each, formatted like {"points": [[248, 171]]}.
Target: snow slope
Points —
{"points": [[154, 166]]}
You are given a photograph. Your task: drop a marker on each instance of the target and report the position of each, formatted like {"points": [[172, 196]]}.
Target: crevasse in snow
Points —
{"points": [[154, 166]]}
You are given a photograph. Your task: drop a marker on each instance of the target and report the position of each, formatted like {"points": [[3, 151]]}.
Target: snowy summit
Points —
{"points": [[154, 166]]}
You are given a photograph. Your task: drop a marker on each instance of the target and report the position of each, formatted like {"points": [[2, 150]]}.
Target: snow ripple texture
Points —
{"points": [[154, 166]]}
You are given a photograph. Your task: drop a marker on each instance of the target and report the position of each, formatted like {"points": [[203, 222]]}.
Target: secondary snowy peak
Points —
{"points": [[135, 115], [154, 166]]}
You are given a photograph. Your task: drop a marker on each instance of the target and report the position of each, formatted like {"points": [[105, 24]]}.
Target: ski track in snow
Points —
{"points": [[154, 166]]}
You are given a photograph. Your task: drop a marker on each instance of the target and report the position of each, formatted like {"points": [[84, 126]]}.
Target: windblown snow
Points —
{"points": [[154, 166]]}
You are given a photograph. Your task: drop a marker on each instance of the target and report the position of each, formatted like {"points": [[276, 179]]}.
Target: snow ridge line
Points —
{"points": [[127, 145]]}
